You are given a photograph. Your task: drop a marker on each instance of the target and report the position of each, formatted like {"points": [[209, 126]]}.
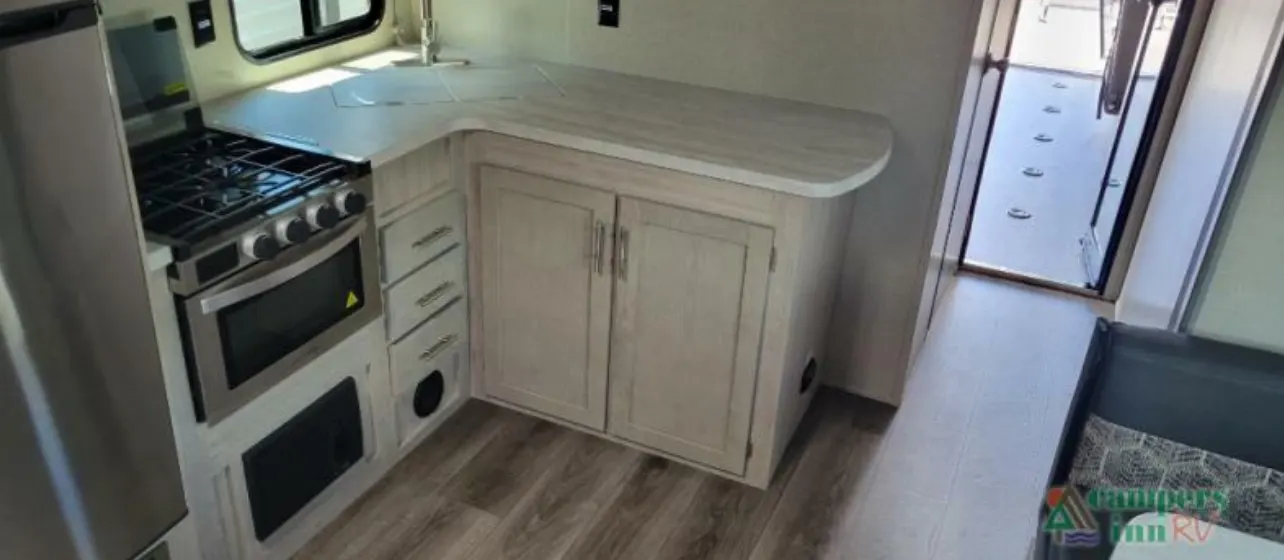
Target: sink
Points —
{"points": [[481, 82], [392, 86], [424, 86]]}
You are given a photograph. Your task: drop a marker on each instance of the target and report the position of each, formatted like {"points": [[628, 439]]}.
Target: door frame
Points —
{"points": [[1173, 79], [970, 145], [1261, 102], [995, 19]]}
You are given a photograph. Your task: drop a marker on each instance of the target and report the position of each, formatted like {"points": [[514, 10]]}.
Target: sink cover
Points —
{"points": [[425, 86], [392, 86], [481, 82]]}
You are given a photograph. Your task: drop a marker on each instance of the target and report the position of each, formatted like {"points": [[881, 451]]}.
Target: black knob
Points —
{"points": [[352, 203], [324, 216], [262, 247], [292, 231]]}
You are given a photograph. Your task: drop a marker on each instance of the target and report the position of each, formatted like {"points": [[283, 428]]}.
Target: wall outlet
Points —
{"points": [[608, 13]]}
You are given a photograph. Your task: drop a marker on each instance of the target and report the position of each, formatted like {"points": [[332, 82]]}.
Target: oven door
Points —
{"points": [[254, 329]]}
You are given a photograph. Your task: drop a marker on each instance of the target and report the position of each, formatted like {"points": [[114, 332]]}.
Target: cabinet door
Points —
{"points": [[689, 301], [546, 299]]}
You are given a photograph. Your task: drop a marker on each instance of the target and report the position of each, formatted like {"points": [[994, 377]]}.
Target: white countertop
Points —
{"points": [[158, 256], [797, 148]]}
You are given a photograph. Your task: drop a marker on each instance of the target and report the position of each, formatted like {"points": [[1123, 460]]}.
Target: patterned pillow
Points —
{"points": [[1113, 456]]}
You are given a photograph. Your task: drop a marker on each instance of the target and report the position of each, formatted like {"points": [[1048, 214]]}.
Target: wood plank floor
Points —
{"points": [[956, 472], [494, 484]]}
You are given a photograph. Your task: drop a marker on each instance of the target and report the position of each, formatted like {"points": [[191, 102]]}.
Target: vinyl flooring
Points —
{"points": [[957, 471]]}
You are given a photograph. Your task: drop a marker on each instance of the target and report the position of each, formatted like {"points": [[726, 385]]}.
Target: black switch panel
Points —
{"points": [[608, 13], [202, 22]]}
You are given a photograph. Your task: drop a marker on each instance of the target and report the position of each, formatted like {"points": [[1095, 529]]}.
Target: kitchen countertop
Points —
{"points": [[158, 256], [787, 146]]}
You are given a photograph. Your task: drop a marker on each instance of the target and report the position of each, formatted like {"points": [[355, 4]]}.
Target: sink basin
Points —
{"points": [[480, 82], [392, 86], [424, 86]]}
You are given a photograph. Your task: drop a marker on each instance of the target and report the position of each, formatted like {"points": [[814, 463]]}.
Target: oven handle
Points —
{"points": [[246, 290]]}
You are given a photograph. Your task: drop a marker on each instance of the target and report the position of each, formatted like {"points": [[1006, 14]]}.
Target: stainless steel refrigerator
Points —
{"points": [[88, 467]]}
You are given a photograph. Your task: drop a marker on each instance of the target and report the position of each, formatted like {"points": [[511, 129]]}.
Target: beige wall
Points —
{"points": [[1241, 297], [902, 58], [1226, 88], [218, 69]]}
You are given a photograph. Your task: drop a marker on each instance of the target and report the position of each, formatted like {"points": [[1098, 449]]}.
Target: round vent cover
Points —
{"points": [[428, 394]]}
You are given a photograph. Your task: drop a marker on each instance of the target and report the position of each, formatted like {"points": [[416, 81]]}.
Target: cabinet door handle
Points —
{"points": [[599, 247], [436, 235], [442, 344], [435, 294], [622, 253], [592, 247]]}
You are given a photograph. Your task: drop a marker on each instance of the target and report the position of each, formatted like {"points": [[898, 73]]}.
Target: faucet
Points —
{"points": [[429, 42]]}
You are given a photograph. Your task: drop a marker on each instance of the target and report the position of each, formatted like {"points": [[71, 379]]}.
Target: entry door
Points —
{"points": [[983, 84], [1135, 94]]}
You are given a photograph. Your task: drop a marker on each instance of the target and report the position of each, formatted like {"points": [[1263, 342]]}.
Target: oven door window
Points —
{"points": [[258, 332]]}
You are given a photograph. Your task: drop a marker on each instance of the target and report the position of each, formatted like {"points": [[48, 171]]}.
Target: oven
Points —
{"points": [[256, 327]]}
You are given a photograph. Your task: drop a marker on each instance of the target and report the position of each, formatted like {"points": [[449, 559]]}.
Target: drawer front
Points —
{"points": [[425, 292], [428, 392], [411, 176], [422, 235], [433, 341]]}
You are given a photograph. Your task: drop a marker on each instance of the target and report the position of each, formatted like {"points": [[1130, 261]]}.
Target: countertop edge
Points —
{"points": [[157, 256], [406, 145]]}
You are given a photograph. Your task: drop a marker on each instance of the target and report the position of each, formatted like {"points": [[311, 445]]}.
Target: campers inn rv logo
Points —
{"points": [[1185, 516]]}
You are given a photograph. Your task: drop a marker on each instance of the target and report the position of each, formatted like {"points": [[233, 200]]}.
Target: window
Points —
{"points": [[271, 29]]}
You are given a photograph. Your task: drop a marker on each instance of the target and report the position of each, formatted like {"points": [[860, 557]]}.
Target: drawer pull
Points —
{"points": [[442, 344], [436, 235], [436, 294]]}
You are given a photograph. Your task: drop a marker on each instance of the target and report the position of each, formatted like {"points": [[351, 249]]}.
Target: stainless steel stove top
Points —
{"points": [[197, 186]]}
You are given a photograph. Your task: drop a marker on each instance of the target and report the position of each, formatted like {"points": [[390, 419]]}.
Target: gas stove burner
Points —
{"points": [[225, 196], [221, 166], [201, 185]]}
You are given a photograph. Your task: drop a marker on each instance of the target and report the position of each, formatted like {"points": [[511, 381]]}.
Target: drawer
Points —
{"points": [[421, 235], [439, 337], [432, 389], [425, 292], [410, 176]]}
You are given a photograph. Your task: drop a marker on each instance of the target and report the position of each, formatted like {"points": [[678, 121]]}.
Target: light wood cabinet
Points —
{"points": [[713, 312], [405, 180], [682, 335], [421, 235], [684, 340], [424, 256], [546, 293]]}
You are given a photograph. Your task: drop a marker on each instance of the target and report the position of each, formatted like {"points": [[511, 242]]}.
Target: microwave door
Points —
{"points": [[90, 468]]}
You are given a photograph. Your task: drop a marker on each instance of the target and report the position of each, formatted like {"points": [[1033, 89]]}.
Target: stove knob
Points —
{"points": [[350, 202], [323, 216], [259, 245], [291, 230]]}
